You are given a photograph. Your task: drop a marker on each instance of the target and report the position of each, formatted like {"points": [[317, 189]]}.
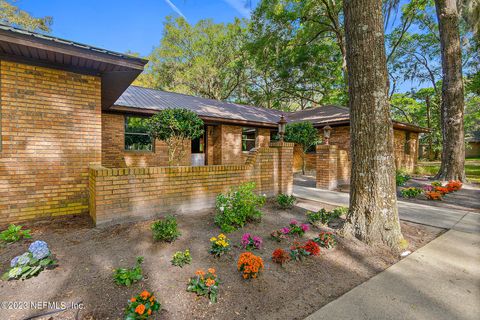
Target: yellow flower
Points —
{"points": [[221, 236], [212, 239]]}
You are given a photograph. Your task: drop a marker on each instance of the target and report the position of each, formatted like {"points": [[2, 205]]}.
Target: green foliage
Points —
{"points": [[13, 16], [14, 233], [205, 284], [286, 201], [237, 207], [127, 276], [181, 258], [411, 192], [144, 303], [324, 217], [202, 59], [31, 263], [401, 177], [165, 229], [303, 134], [175, 127]]}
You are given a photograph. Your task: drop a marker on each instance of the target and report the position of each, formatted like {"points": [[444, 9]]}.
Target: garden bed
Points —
{"points": [[86, 257]]}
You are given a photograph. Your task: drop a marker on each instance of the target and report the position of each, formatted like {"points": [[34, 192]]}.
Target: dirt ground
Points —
{"points": [[87, 256]]}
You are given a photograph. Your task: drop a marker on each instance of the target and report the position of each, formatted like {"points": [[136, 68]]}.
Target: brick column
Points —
{"points": [[327, 167], [285, 166]]}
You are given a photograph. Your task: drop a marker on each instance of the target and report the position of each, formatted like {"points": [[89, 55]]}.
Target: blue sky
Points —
{"points": [[134, 25]]}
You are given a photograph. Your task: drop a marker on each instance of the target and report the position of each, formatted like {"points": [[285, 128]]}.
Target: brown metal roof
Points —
{"points": [[324, 115], [116, 69], [140, 99]]}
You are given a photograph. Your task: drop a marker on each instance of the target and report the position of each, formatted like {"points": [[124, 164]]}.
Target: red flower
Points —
{"points": [[312, 247]]}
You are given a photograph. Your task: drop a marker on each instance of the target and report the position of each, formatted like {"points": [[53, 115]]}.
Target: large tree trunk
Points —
{"points": [[373, 216], [453, 151]]}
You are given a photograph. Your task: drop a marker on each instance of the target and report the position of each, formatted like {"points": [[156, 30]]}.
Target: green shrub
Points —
{"points": [[325, 216], [237, 207], [127, 276], [411, 192], [401, 177], [181, 258], [436, 184], [286, 201], [14, 233], [165, 229]]}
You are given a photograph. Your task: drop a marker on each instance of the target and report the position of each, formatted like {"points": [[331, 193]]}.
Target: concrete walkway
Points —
{"points": [[418, 213], [439, 281]]}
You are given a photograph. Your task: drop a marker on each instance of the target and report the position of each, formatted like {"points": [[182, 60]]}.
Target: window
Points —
{"points": [[407, 143], [248, 138], [136, 136]]}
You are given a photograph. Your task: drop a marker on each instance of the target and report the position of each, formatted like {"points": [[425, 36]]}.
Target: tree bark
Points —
{"points": [[373, 216], [452, 106]]}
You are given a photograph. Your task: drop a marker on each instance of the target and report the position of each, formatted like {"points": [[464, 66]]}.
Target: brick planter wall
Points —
{"points": [[121, 194], [50, 134]]}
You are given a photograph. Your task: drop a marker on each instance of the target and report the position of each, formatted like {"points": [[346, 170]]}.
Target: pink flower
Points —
{"points": [[257, 241], [293, 222], [305, 227], [245, 239], [285, 230]]}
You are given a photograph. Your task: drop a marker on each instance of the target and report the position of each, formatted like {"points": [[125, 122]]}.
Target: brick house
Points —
{"points": [[73, 140]]}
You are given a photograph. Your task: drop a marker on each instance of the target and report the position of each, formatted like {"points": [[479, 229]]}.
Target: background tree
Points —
{"points": [[176, 127], [452, 106], [373, 215], [13, 16], [200, 59], [303, 134]]}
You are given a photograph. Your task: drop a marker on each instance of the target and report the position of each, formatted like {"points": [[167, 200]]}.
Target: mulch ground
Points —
{"points": [[86, 257]]}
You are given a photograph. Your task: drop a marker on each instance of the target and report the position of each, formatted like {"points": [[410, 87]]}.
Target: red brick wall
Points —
{"points": [[403, 160], [50, 131], [139, 193], [114, 154]]}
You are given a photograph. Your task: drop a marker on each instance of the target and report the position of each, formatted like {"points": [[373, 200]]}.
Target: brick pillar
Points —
{"points": [[327, 167], [285, 166]]}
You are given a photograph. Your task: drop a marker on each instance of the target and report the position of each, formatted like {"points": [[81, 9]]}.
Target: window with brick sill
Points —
{"points": [[136, 136], [249, 136]]}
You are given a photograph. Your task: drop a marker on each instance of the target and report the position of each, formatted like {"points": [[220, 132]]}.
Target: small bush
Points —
{"points": [[411, 192], [204, 284], [180, 258], [220, 245], [127, 276], [165, 229], [142, 306], [280, 256], [294, 229], [14, 233], [326, 240], [324, 217], [237, 207], [286, 201], [401, 177], [250, 265]]}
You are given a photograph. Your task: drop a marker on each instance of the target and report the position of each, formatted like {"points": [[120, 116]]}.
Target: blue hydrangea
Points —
{"points": [[14, 261], [23, 259], [39, 249]]}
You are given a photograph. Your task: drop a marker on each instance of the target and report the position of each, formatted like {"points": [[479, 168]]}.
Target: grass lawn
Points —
{"points": [[472, 168], [86, 257]]}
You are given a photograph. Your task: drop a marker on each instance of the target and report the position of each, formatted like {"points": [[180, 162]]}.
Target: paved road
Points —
{"points": [[439, 281], [433, 216]]}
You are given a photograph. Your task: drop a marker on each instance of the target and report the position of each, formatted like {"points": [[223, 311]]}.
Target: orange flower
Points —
{"points": [[133, 300], [144, 295], [209, 282], [211, 270], [200, 273], [149, 312], [152, 298], [140, 309]]}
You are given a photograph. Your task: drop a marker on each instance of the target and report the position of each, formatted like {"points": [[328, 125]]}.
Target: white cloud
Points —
{"points": [[240, 6], [174, 8]]}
